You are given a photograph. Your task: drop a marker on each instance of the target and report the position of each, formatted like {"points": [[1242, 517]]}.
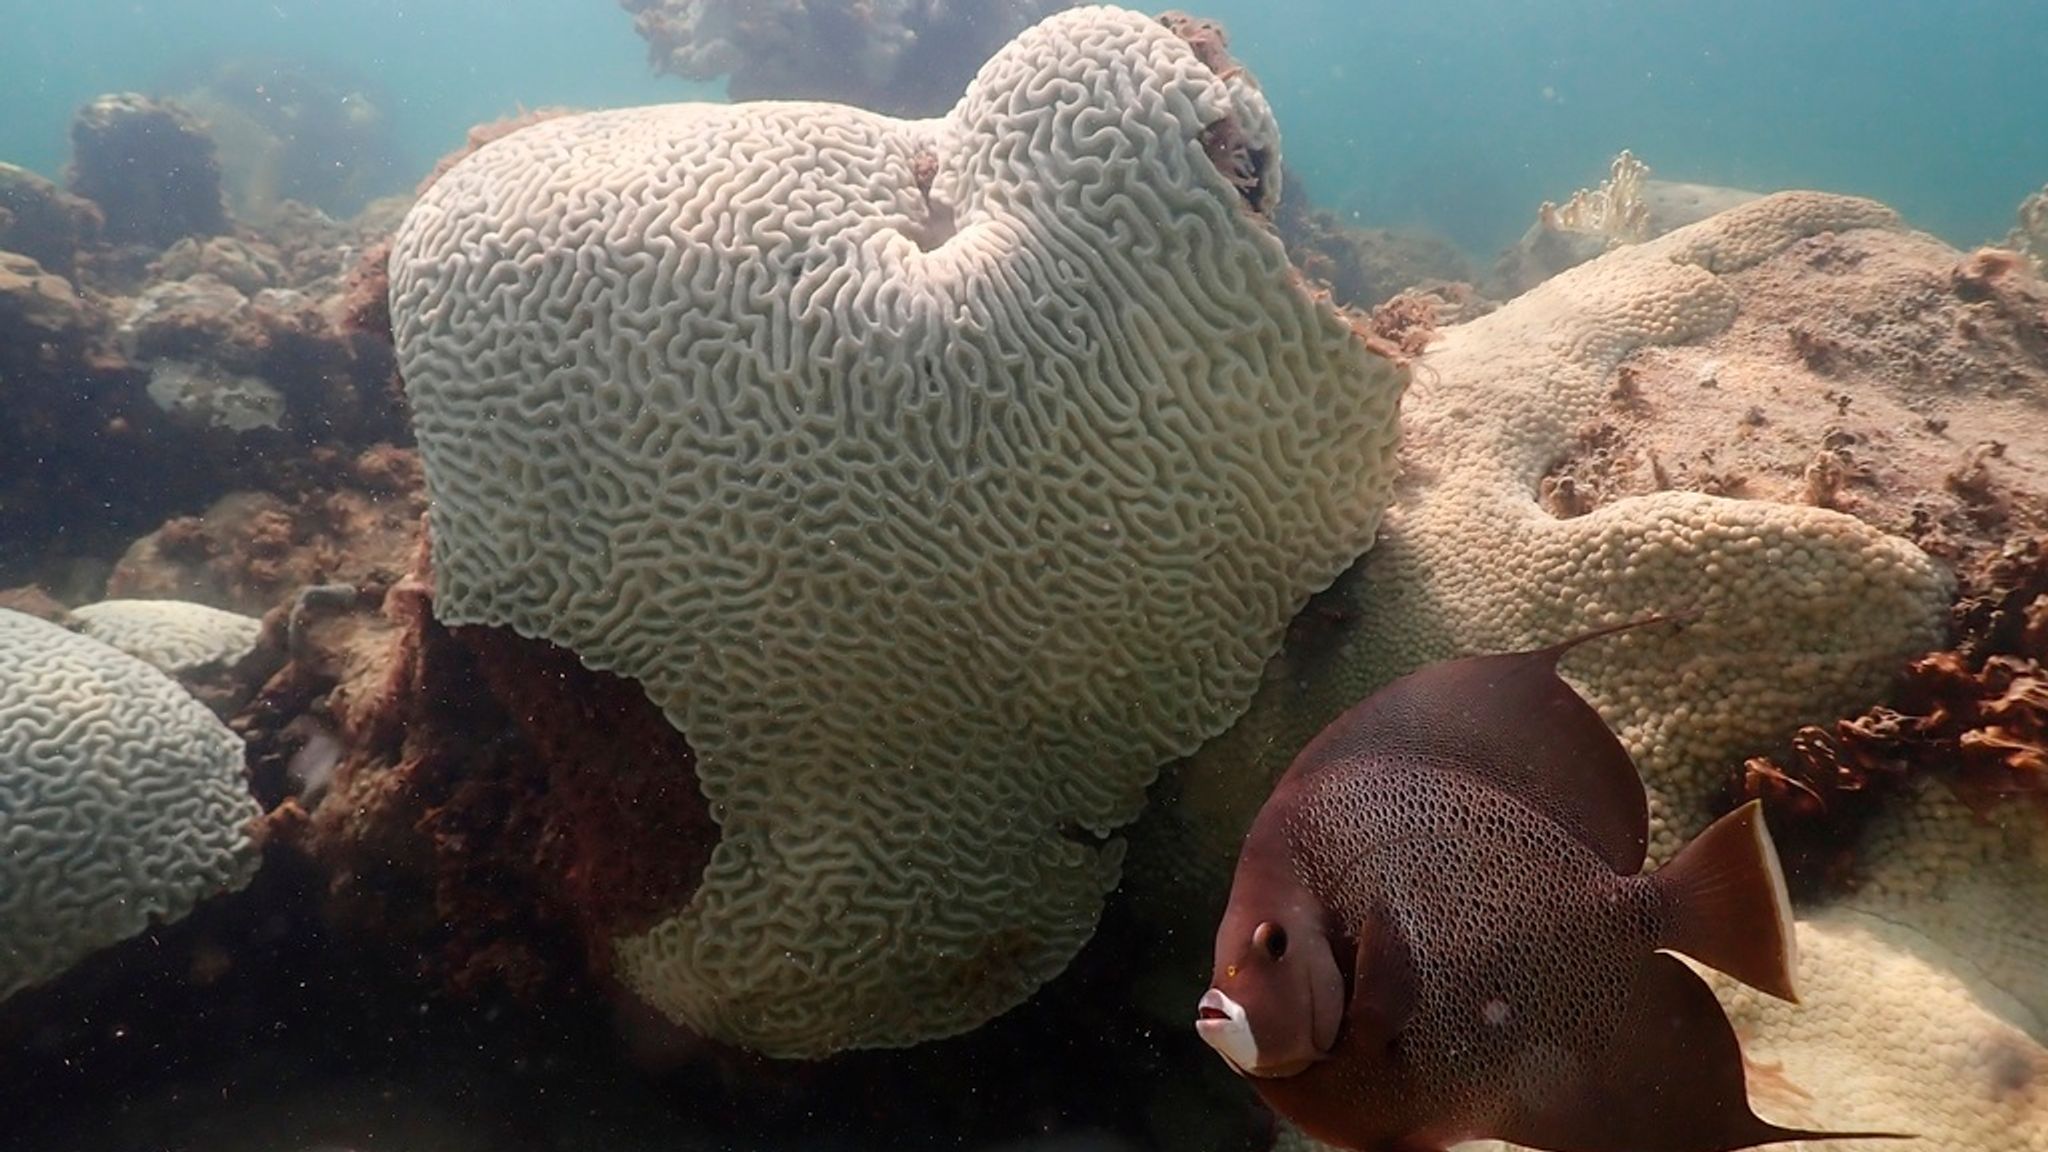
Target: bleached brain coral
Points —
{"points": [[122, 802], [172, 635], [939, 480]]}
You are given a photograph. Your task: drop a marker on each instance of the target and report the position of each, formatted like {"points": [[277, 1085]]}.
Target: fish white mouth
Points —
{"points": [[1220, 1021]]}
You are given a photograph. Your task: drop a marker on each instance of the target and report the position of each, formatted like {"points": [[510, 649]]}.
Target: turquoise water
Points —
{"points": [[437, 66], [1463, 116], [1458, 118]]}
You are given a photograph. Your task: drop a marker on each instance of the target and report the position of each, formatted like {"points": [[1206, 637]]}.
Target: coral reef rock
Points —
{"points": [[246, 267], [250, 551], [1364, 267], [226, 349], [42, 318], [123, 799], [2029, 237], [42, 221], [938, 479], [58, 387], [897, 57], [139, 382], [150, 167], [211, 398]]}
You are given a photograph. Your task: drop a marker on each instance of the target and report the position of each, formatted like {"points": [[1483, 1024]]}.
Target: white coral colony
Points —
{"points": [[939, 479], [173, 635], [122, 801]]}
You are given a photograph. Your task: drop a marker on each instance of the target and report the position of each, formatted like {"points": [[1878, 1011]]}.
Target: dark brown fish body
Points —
{"points": [[1438, 932], [1521, 941]]}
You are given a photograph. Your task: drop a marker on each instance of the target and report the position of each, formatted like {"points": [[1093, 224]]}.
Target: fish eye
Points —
{"points": [[1271, 937]]}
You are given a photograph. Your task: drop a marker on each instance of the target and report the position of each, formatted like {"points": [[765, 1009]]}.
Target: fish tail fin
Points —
{"points": [[1727, 904], [1673, 1081]]}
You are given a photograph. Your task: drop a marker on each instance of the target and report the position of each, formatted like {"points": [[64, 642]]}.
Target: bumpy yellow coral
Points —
{"points": [[1888, 1037], [1802, 612]]}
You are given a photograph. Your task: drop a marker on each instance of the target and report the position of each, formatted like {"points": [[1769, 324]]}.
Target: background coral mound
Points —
{"points": [[938, 479], [902, 57], [121, 800]]}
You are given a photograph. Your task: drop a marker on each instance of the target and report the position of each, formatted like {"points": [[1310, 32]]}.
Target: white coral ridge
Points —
{"points": [[172, 635], [939, 479], [122, 801]]}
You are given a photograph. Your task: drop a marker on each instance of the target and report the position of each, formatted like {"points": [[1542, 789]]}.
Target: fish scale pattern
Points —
{"points": [[1517, 952], [122, 801], [939, 479]]}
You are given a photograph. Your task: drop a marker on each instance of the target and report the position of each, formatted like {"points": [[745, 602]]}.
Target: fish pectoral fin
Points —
{"points": [[1672, 1081], [1382, 981]]}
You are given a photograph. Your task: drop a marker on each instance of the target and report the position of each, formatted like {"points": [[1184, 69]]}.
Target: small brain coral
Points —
{"points": [[172, 635], [121, 800], [1802, 611], [938, 479]]}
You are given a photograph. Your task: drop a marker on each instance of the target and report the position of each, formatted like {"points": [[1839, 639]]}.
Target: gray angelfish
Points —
{"points": [[1438, 932]]}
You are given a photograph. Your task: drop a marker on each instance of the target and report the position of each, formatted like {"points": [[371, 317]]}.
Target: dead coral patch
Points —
{"points": [[1879, 373]]}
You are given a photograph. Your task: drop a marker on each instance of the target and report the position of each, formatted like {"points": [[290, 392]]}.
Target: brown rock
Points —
{"points": [[150, 167], [41, 220]]}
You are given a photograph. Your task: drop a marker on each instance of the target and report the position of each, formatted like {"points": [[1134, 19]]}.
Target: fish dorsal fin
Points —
{"points": [[1510, 721], [1671, 1081]]}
